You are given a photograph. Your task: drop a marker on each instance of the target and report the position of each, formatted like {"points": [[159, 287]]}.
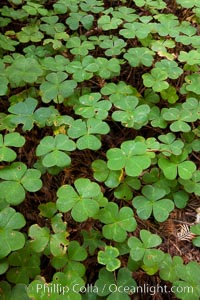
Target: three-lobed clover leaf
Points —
{"points": [[75, 19], [118, 222], [107, 23], [193, 83], [54, 150], [78, 47], [187, 282], [23, 70], [156, 80], [30, 33], [82, 69], [82, 200], [135, 29], [139, 56], [89, 106], [152, 202], [103, 174], [170, 144], [87, 133], [36, 291], [107, 68], [56, 87], [116, 287], [142, 249], [192, 185], [13, 139], [23, 113], [177, 165], [170, 94], [117, 91], [24, 264], [170, 67], [16, 180], [192, 57], [7, 43], [108, 258], [114, 46], [129, 114], [132, 156], [180, 117], [169, 267], [11, 239], [57, 63], [169, 24], [92, 240], [42, 238]]}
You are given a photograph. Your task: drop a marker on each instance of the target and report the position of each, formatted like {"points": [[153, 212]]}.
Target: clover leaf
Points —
{"points": [[171, 144], [193, 83], [41, 237], [13, 139], [78, 47], [82, 69], [170, 95], [114, 46], [76, 252], [130, 115], [92, 240], [24, 264], [187, 279], [54, 150], [103, 174], [76, 18], [142, 249], [3, 80], [192, 57], [169, 267], [30, 33], [169, 25], [107, 68], [107, 280], [23, 113], [7, 43], [86, 133], [196, 230], [23, 70], [132, 156], [180, 116], [192, 185], [11, 239], [89, 106], [83, 200], [126, 187], [170, 67], [16, 180], [108, 258], [135, 29], [107, 23], [156, 80], [177, 165], [118, 222], [57, 63], [56, 87], [152, 202], [139, 56], [117, 91]]}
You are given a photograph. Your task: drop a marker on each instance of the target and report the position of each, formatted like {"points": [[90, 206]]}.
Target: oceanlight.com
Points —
{"points": [[112, 288]]}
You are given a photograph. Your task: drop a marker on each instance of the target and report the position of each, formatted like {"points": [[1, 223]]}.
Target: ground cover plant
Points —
{"points": [[99, 149]]}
